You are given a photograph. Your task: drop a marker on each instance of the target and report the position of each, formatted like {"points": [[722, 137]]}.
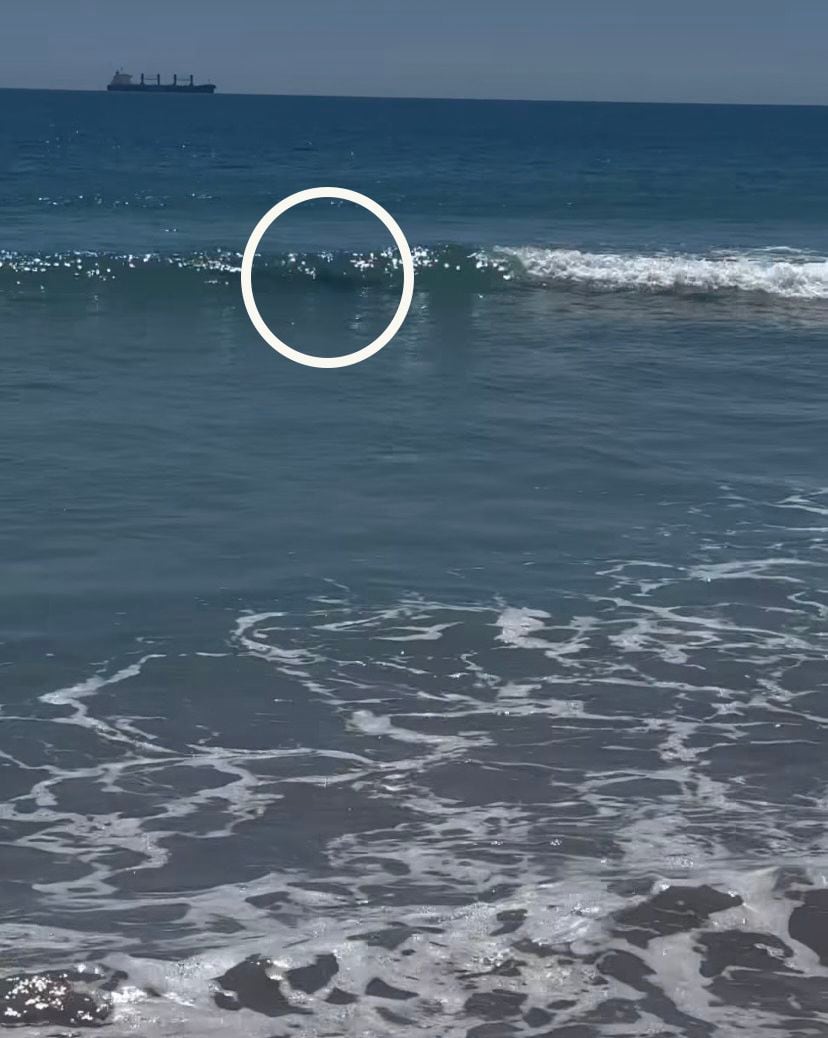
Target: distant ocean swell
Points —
{"points": [[777, 273]]}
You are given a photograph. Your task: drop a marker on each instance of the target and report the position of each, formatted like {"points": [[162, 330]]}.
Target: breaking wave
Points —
{"points": [[796, 276], [776, 273]]}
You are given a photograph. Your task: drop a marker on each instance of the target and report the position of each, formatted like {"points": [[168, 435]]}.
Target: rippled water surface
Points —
{"points": [[475, 691]]}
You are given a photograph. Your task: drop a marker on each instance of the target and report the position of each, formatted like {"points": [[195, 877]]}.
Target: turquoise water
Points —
{"points": [[506, 645]]}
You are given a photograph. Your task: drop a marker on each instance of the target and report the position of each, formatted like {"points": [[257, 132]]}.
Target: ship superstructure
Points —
{"points": [[122, 81]]}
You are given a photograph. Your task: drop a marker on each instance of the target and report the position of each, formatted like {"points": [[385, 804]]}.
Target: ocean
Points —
{"points": [[478, 690]]}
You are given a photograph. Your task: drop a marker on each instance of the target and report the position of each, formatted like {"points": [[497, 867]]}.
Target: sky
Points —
{"points": [[741, 51]]}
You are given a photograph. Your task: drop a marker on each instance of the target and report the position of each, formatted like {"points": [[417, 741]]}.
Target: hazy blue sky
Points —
{"points": [[667, 50]]}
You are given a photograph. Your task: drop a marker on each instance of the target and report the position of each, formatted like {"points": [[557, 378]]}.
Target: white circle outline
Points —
{"points": [[396, 322]]}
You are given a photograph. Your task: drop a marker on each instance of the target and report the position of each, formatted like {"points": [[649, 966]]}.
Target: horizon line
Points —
{"points": [[434, 97]]}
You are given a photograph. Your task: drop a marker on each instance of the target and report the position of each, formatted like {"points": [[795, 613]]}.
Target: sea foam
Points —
{"points": [[798, 276]]}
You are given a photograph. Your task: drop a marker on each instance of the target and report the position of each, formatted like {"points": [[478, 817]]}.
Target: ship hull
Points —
{"points": [[161, 88]]}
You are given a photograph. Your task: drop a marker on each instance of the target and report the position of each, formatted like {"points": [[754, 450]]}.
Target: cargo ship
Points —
{"points": [[122, 81]]}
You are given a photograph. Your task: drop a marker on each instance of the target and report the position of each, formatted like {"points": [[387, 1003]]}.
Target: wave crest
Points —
{"points": [[777, 273], [797, 276]]}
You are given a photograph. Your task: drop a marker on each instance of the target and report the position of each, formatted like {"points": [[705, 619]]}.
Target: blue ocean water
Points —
{"points": [[477, 690]]}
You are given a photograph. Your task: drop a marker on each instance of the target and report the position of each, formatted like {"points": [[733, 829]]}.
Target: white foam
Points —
{"points": [[805, 277], [553, 729]]}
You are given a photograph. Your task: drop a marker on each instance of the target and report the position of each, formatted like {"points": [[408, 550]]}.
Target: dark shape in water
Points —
{"points": [[123, 82], [311, 978], [809, 923], [250, 985], [76, 997], [676, 909], [738, 967], [379, 989]]}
